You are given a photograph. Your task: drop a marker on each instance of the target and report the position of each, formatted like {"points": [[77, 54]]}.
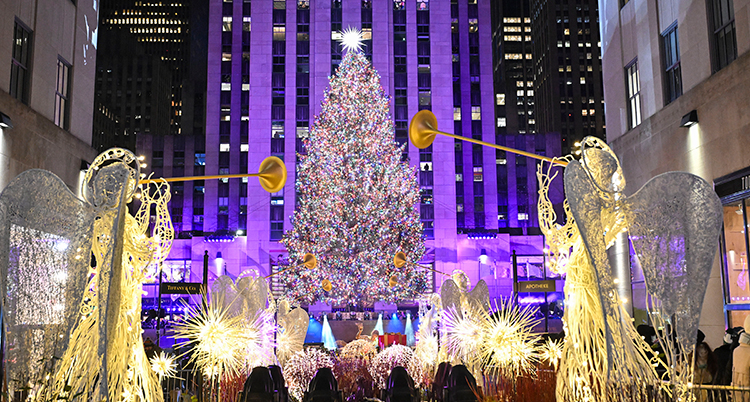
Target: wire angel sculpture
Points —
{"points": [[90, 257], [673, 222], [455, 294]]}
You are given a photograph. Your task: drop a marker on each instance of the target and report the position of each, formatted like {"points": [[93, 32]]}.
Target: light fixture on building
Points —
{"points": [[219, 262], [5, 121], [689, 119], [483, 258]]}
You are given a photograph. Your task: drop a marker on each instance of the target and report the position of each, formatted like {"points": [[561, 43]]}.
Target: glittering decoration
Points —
{"points": [[164, 365], [359, 348], [427, 347], [215, 337], [551, 352], [674, 221], [225, 342], [45, 243], [393, 356], [357, 203], [100, 355], [301, 368]]}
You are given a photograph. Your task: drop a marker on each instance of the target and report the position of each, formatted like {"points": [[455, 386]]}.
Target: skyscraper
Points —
{"points": [[168, 40], [568, 86], [268, 66]]}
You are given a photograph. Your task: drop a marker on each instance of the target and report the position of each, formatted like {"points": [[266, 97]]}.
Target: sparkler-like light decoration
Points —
{"points": [[164, 365], [502, 343], [551, 352], [216, 338]]}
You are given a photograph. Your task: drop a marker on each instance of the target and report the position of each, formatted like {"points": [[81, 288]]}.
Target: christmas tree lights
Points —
{"points": [[357, 201]]}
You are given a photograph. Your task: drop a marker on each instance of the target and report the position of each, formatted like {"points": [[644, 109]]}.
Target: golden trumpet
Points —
{"points": [[424, 127], [326, 285], [271, 174], [308, 261], [399, 260], [393, 281]]}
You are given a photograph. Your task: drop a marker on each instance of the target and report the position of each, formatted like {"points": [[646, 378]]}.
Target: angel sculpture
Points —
{"points": [[95, 333], [674, 222], [455, 294]]}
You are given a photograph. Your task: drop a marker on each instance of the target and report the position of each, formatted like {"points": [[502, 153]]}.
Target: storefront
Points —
{"points": [[734, 191]]}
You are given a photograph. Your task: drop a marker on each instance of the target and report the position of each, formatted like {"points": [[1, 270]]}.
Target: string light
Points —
{"points": [[358, 202]]}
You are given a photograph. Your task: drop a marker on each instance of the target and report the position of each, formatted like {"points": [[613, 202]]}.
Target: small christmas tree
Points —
{"points": [[358, 202]]}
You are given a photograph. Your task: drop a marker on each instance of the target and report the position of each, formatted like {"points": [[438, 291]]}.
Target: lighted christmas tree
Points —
{"points": [[358, 202]]}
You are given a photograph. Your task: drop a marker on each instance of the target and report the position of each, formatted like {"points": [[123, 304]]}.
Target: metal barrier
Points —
{"points": [[720, 393]]}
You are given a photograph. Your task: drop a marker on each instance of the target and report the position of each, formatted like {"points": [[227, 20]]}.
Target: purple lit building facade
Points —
{"points": [[268, 66]]}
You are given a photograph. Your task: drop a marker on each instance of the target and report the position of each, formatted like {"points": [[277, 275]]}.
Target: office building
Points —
{"points": [[47, 59], [567, 70], [268, 67], [676, 75]]}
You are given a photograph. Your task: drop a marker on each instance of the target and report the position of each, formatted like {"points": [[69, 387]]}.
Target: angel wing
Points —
{"points": [[450, 296], [291, 336], [224, 292], [479, 297], [45, 249], [674, 222], [253, 292]]}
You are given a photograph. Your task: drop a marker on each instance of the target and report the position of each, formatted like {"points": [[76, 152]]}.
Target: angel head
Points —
{"points": [[462, 280], [601, 165]]}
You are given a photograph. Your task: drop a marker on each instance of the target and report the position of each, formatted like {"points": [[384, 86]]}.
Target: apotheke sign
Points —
{"points": [[536, 286]]}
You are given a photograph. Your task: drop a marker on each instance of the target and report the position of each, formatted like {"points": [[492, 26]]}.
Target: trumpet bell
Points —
{"points": [[393, 281], [272, 174], [309, 261], [326, 285], [399, 260], [422, 129]]}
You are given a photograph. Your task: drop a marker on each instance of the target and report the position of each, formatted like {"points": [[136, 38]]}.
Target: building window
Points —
{"points": [[476, 113], [227, 24], [19, 71], [672, 74], [634, 94], [62, 95], [725, 40]]}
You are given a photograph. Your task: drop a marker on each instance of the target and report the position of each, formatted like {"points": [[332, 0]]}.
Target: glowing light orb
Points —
{"points": [[351, 39]]}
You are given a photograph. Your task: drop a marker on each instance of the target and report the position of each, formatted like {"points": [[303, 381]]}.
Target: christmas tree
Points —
{"points": [[357, 201]]}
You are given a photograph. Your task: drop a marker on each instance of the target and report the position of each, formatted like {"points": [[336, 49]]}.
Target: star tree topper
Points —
{"points": [[351, 39]]}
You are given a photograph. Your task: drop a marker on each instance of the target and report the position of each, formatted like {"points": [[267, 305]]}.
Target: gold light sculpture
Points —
{"points": [[551, 352], [583, 372], [105, 355]]}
